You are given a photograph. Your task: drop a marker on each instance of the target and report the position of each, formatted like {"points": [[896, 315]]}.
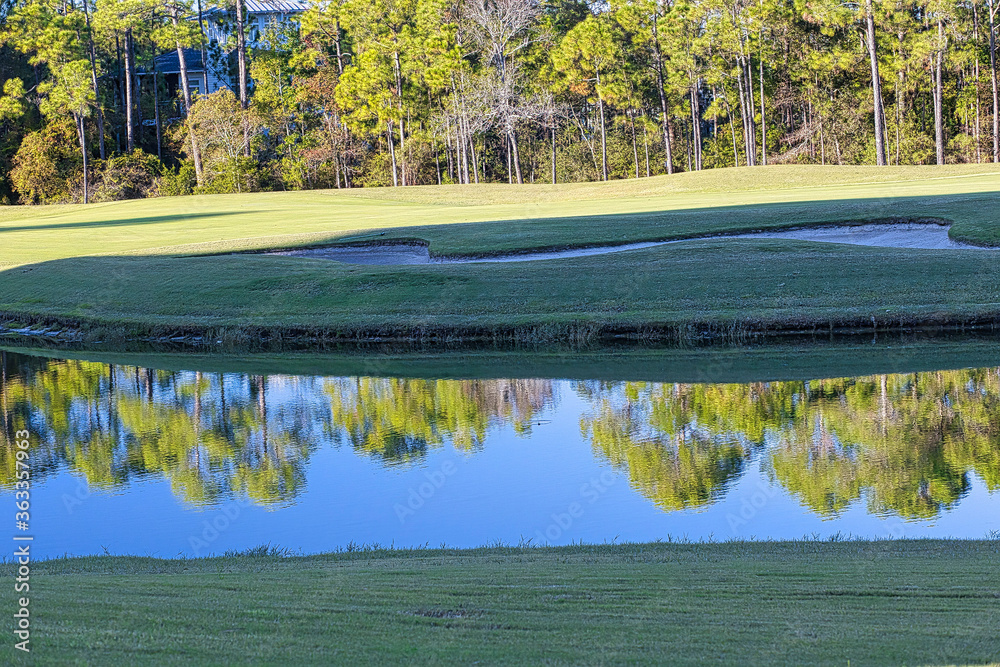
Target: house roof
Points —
{"points": [[275, 6], [169, 63], [268, 7]]}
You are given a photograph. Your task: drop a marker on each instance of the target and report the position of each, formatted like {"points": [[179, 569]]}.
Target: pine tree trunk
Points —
{"points": [[763, 120], [899, 116], [746, 115], [462, 149], [660, 83], [241, 52], [938, 103], [83, 149], [437, 158], [732, 130], [880, 156], [635, 146], [137, 87], [93, 77], [975, 73], [156, 114], [645, 146], [204, 52], [696, 126], [447, 145], [510, 167], [553, 132], [129, 94], [119, 89], [475, 160], [939, 96], [752, 117], [604, 136], [392, 152], [340, 54], [186, 89], [993, 79], [241, 56], [399, 101]]}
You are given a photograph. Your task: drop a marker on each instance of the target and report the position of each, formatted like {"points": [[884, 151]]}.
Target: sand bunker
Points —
{"points": [[929, 236]]}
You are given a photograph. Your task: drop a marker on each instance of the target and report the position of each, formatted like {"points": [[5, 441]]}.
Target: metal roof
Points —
{"points": [[272, 6], [268, 7]]}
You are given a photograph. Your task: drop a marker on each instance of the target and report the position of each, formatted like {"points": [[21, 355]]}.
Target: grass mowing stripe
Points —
{"points": [[913, 602]]}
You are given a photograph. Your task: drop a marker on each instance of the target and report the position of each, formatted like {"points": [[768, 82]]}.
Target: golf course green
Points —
{"points": [[175, 267]]}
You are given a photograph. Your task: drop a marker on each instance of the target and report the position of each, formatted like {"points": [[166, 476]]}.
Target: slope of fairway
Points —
{"points": [[215, 223], [804, 603], [145, 268]]}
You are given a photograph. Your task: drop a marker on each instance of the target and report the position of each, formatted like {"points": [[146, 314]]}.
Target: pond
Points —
{"points": [[132, 459]]}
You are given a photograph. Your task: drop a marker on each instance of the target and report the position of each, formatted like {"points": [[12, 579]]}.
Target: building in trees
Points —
{"points": [[220, 49], [220, 21]]}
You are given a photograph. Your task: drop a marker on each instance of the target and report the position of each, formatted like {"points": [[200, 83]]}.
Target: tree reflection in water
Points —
{"points": [[903, 444], [398, 419], [219, 436]]}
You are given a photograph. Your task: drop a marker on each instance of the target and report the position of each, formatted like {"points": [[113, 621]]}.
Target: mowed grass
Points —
{"points": [[863, 603], [219, 223], [720, 284], [146, 267]]}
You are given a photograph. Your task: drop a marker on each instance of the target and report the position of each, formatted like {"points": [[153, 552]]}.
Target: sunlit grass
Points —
{"points": [[32, 234], [139, 268]]}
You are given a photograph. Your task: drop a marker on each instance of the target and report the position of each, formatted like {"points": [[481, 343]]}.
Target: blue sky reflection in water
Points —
{"points": [[143, 461]]}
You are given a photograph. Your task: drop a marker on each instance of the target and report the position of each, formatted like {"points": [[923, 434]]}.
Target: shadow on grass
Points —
{"points": [[974, 217], [124, 222]]}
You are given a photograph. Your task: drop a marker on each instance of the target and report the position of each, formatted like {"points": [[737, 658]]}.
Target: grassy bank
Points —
{"points": [[702, 288], [804, 360], [145, 269], [898, 602]]}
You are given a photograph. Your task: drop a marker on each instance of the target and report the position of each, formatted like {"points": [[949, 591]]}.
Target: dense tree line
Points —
{"points": [[360, 93]]}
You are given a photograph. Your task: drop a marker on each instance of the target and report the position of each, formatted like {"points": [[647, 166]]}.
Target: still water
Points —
{"points": [[135, 460]]}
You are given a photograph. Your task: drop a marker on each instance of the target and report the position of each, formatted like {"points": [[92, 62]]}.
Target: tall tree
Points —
{"points": [[127, 19], [992, 7], [587, 53], [181, 34], [504, 30], [70, 91]]}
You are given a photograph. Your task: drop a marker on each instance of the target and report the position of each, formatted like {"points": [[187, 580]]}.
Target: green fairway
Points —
{"points": [[143, 268], [896, 602]]}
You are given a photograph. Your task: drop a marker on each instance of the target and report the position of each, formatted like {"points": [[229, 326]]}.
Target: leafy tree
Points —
{"points": [[587, 52], [225, 131], [47, 166]]}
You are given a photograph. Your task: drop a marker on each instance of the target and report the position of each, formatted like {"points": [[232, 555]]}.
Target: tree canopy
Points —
{"points": [[356, 93]]}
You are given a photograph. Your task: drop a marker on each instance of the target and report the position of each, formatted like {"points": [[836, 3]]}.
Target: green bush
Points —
{"points": [[131, 176], [240, 174], [178, 182], [47, 165]]}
